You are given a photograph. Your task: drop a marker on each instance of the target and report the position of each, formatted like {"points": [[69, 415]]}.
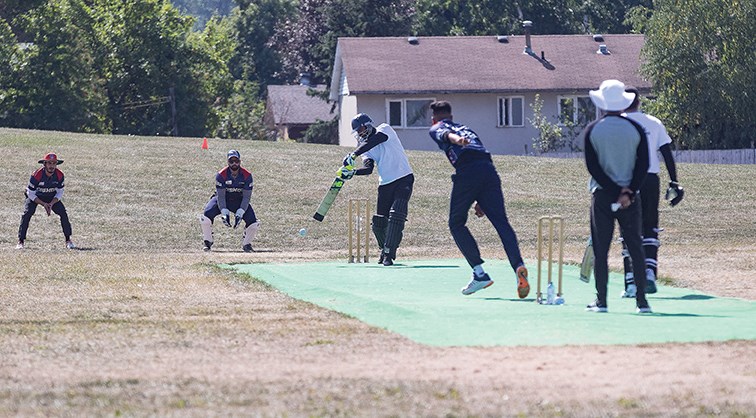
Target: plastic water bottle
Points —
{"points": [[550, 294]]}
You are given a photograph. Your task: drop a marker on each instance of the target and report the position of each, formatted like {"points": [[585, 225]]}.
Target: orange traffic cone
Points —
{"points": [[204, 143]]}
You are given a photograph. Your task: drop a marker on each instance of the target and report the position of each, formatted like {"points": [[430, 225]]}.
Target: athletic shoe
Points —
{"points": [[630, 291], [387, 260], [597, 306], [643, 310], [248, 248], [476, 285], [20, 245], [70, 245], [207, 245], [650, 282], [381, 258], [523, 287]]}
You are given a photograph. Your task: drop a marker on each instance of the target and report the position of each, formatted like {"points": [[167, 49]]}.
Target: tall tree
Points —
{"points": [[700, 56], [57, 86], [147, 48], [307, 42], [253, 25]]}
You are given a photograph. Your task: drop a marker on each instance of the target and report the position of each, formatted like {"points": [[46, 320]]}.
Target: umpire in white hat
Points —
{"points": [[616, 154]]}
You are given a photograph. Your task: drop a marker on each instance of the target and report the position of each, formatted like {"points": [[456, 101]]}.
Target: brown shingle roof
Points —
{"points": [[292, 105], [482, 64]]}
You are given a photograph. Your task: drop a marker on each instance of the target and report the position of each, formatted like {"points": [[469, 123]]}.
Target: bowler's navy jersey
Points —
{"points": [[455, 153], [233, 186], [44, 186]]}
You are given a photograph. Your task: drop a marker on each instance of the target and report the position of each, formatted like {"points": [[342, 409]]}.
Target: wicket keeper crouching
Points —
{"points": [[233, 191]]}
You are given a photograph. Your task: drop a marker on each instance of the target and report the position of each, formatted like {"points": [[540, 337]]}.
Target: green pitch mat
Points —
{"points": [[422, 301]]}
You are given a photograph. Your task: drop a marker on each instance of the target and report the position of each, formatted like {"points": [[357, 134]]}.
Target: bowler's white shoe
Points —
{"points": [[476, 285], [70, 245], [20, 245]]}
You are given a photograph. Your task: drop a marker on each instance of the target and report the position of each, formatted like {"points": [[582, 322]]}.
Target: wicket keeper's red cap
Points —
{"points": [[50, 157]]}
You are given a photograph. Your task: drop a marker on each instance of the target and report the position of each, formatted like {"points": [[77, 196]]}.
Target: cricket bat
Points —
{"points": [[328, 199], [586, 267]]}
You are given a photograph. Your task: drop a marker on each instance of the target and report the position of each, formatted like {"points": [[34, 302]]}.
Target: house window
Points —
{"points": [[576, 110], [511, 111], [409, 113]]}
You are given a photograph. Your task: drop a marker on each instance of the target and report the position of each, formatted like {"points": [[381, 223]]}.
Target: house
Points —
{"points": [[491, 82], [290, 110]]}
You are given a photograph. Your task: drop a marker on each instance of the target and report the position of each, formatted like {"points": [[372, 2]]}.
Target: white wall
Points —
{"points": [[478, 111]]}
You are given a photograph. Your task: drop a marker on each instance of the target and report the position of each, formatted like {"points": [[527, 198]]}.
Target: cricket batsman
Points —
{"points": [[380, 146]]}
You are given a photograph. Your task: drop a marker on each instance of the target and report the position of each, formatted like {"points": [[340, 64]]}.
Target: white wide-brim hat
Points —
{"points": [[611, 96]]}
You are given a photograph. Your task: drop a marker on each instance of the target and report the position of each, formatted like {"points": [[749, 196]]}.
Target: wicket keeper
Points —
{"points": [[233, 192]]}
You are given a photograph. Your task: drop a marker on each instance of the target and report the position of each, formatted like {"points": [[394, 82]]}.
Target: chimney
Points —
{"points": [[526, 25], [305, 79]]}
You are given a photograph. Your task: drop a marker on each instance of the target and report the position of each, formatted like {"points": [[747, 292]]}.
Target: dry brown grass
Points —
{"points": [[140, 322]]}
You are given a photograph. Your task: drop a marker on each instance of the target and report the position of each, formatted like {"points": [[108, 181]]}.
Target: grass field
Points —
{"points": [[139, 321]]}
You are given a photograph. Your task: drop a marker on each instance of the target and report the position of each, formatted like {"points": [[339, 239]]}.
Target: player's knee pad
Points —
{"points": [[250, 232], [399, 210], [206, 224], [379, 225]]}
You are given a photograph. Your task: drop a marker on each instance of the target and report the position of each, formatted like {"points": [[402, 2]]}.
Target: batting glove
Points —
{"points": [[674, 193], [349, 160], [346, 172]]}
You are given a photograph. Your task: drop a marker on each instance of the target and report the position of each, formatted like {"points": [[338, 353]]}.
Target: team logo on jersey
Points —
{"points": [[229, 182], [41, 183], [46, 190], [234, 190]]}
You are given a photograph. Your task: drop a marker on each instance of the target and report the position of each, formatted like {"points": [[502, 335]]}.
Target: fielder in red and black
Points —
{"points": [[475, 181], [233, 192], [45, 189]]}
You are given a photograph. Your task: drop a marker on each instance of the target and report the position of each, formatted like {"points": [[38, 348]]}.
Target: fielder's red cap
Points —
{"points": [[50, 157]]}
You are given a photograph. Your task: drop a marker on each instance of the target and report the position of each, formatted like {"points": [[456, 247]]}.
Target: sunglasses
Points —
{"points": [[234, 161]]}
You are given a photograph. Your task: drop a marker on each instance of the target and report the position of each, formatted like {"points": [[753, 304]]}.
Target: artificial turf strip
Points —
{"points": [[422, 301]]}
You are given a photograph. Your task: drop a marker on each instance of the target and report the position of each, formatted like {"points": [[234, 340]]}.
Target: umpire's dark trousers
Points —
{"points": [[31, 207], [478, 181], [602, 232]]}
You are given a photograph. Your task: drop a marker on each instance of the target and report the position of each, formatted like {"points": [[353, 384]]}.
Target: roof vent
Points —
{"points": [[413, 40], [598, 38], [603, 51], [503, 39], [526, 25]]}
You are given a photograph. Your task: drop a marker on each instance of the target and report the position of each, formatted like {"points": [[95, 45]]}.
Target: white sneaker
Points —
{"points": [[644, 310], [20, 246], [70, 245], [630, 291], [476, 285]]}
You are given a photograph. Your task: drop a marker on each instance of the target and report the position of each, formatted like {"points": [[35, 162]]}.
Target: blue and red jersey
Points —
{"points": [[234, 186], [46, 187], [455, 153]]}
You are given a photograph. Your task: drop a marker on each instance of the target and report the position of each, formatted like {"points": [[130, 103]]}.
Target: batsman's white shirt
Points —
{"points": [[389, 156], [656, 134]]}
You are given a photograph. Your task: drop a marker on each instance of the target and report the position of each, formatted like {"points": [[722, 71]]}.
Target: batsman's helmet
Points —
{"points": [[50, 157], [233, 154], [359, 121]]}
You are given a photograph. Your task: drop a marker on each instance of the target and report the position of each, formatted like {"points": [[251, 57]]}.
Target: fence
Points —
{"points": [[727, 156]]}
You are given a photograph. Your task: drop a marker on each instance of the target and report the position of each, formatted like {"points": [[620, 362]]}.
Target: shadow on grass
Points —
{"points": [[394, 266], [686, 297]]}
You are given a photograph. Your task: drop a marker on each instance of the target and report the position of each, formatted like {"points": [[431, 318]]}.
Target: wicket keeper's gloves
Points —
{"points": [[225, 217], [674, 193], [346, 172], [349, 160]]}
